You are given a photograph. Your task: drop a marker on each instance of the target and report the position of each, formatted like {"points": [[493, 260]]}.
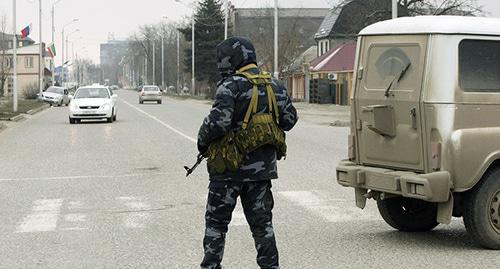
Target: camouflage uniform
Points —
{"points": [[252, 182]]}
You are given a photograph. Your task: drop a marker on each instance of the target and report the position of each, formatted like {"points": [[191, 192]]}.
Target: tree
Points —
{"points": [[4, 59], [209, 31], [367, 12]]}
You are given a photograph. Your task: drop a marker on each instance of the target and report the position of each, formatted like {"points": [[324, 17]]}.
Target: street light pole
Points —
{"points": [[154, 67], [394, 9], [226, 15], [178, 63], [193, 88], [41, 64], [276, 72], [14, 54], [162, 64], [53, 33], [62, 49]]}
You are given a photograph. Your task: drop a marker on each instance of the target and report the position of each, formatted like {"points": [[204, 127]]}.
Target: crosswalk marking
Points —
{"points": [[136, 218], [331, 210], [44, 216]]}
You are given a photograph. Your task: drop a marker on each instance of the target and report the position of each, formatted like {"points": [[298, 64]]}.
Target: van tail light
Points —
{"points": [[436, 156]]}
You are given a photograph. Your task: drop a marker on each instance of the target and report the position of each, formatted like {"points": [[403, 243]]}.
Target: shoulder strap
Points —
{"points": [[263, 78]]}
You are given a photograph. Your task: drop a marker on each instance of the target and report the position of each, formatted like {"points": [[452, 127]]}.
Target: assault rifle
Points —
{"points": [[199, 159]]}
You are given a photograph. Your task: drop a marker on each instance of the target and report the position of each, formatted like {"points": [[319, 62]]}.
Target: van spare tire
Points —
{"points": [[408, 215]]}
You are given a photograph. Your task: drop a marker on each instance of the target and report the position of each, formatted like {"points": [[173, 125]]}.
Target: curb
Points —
{"points": [[38, 109], [17, 118], [340, 123]]}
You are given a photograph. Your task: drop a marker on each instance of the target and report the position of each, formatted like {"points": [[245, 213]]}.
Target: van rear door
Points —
{"points": [[387, 101]]}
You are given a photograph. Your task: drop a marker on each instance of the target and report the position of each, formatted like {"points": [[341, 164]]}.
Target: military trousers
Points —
{"points": [[257, 201]]}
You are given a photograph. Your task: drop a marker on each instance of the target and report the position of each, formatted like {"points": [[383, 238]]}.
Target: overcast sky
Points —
{"points": [[98, 18]]}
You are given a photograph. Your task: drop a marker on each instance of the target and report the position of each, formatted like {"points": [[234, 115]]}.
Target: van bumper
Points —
{"points": [[432, 187]]}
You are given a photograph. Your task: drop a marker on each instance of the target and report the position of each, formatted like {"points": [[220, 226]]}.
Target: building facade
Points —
{"points": [[28, 69]]}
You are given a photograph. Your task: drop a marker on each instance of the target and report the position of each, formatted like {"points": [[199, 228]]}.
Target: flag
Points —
{"points": [[26, 31], [52, 50]]}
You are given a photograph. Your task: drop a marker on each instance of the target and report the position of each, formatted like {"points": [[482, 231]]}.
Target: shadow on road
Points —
{"points": [[438, 239]]}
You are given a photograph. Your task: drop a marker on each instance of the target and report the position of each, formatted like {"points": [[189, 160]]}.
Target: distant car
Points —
{"points": [[56, 96], [150, 93], [93, 102], [114, 87]]}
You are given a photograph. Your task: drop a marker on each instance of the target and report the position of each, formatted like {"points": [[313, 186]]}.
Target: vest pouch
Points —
{"points": [[224, 155]]}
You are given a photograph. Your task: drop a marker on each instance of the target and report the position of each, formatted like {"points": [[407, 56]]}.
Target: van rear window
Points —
{"points": [[479, 64]]}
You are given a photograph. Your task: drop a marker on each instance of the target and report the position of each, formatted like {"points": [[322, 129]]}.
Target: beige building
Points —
{"points": [[28, 69]]}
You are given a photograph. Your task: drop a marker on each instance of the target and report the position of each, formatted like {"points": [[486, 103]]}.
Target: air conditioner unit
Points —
{"points": [[332, 76]]}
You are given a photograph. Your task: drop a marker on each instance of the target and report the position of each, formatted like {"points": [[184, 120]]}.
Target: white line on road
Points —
{"points": [[88, 177], [44, 216], [332, 210], [161, 122], [135, 219]]}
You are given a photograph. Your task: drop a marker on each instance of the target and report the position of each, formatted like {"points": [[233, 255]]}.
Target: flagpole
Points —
{"points": [[14, 53], [41, 63]]}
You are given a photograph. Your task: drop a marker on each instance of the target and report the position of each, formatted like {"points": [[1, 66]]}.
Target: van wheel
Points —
{"points": [[482, 211], [408, 215]]}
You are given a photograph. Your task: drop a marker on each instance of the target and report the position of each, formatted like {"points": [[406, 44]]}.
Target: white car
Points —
{"points": [[93, 102], [150, 93], [56, 96]]}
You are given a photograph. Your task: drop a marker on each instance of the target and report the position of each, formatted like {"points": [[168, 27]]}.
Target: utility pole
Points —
{"points": [[178, 63], [62, 49], [14, 54], [162, 64], [226, 15], [394, 9], [41, 63], [276, 71], [53, 42], [193, 88], [154, 67]]}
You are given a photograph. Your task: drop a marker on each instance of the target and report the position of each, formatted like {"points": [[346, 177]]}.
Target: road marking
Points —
{"points": [[44, 216], [161, 122], [331, 210], [88, 177], [135, 219]]}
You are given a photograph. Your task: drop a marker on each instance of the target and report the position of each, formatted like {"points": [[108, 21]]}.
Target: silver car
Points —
{"points": [[56, 96], [150, 93]]}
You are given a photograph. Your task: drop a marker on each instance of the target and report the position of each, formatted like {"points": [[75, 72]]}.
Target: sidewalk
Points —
{"points": [[324, 114]]}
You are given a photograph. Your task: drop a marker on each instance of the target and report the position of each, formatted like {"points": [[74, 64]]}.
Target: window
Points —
{"points": [[8, 62], [320, 48], [387, 62], [28, 62], [479, 65]]}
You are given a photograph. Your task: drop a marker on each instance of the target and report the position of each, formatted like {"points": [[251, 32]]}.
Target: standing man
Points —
{"points": [[251, 110]]}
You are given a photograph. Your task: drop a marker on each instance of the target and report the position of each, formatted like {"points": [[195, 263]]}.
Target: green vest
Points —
{"points": [[228, 152]]}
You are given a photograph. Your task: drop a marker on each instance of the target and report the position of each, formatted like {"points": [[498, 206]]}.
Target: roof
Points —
{"points": [[305, 57], [282, 12], [435, 25], [339, 59], [27, 50], [327, 25]]}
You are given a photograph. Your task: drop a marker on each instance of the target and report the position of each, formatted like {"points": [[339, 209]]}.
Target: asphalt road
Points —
{"points": [[100, 195]]}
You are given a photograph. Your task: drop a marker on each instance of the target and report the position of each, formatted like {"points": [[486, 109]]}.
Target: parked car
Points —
{"points": [[93, 102], [425, 134], [56, 96], [150, 93]]}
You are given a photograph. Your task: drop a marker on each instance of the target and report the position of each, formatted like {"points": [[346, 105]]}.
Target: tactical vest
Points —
{"points": [[229, 152]]}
